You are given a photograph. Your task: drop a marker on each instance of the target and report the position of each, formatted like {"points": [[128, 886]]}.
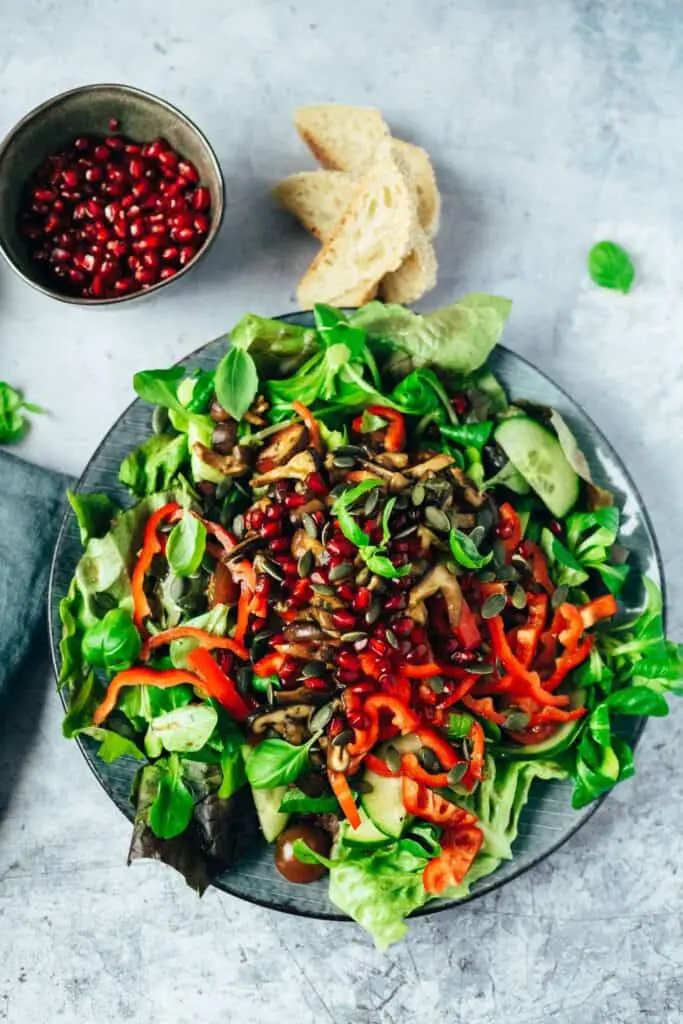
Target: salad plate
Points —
{"points": [[548, 818]]}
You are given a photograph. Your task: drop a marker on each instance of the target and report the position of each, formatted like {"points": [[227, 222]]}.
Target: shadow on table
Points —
{"points": [[21, 712]]}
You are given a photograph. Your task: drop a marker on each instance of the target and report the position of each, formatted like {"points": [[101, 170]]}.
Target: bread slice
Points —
{"points": [[415, 276], [341, 138], [317, 198], [428, 196], [345, 138], [373, 237]]}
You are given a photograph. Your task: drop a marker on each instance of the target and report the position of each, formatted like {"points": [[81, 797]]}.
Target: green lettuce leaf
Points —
{"points": [[278, 348], [154, 465], [458, 338], [94, 513]]}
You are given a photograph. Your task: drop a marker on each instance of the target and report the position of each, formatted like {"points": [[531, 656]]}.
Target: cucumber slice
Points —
{"points": [[267, 803], [384, 805], [538, 456], [367, 834], [563, 738]]}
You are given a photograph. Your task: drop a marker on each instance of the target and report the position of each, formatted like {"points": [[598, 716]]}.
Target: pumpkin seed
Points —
{"points": [[272, 568], [520, 564], [560, 596], [486, 576], [485, 518], [456, 773], [373, 613], [313, 669], [363, 576], [436, 684], [160, 419], [371, 502], [405, 533], [391, 638], [480, 668], [516, 720], [327, 532], [323, 589], [438, 519], [402, 502], [392, 758], [304, 566], [344, 737], [259, 644], [429, 759], [343, 461], [518, 598], [360, 645], [322, 717], [493, 606], [499, 553], [506, 573], [363, 786], [351, 449], [353, 636], [309, 524], [477, 535], [243, 678], [341, 571], [418, 495], [238, 526]]}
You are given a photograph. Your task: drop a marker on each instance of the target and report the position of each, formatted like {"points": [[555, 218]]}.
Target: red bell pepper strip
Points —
{"points": [[311, 424], [402, 716], [395, 436], [368, 663], [601, 608], [570, 660], [539, 566], [207, 640], [529, 682], [379, 767], [445, 753], [431, 668], [557, 715], [398, 687], [411, 767], [140, 677], [243, 609], [459, 847], [461, 690], [567, 626], [424, 803], [483, 706], [509, 529], [475, 770], [269, 665], [342, 791], [529, 634], [467, 630], [151, 546], [217, 684]]}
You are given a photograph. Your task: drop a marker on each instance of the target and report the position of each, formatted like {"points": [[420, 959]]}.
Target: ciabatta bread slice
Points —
{"points": [[317, 198], [428, 196], [415, 276], [373, 237], [341, 138]]}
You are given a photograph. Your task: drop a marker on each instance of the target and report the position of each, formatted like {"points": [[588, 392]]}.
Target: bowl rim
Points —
{"points": [[218, 201], [434, 906]]}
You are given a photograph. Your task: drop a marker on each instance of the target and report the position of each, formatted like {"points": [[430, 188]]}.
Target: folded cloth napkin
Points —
{"points": [[31, 505]]}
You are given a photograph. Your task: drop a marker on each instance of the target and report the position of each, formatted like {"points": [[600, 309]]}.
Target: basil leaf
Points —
{"points": [[277, 763], [350, 496], [295, 801], [112, 642], [13, 424], [342, 505], [185, 729], [465, 552], [383, 566], [236, 382], [638, 700], [610, 266], [386, 516], [171, 811], [186, 545], [469, 435], [459, 725]]}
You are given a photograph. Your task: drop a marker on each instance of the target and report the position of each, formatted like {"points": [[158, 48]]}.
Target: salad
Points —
{"points": [[360, 603]]}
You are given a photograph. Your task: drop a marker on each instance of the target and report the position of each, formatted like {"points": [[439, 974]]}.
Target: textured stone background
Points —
{"points": [[551, 125]]}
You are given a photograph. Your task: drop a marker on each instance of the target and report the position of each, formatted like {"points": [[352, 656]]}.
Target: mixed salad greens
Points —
{"points": [[361, 600]]}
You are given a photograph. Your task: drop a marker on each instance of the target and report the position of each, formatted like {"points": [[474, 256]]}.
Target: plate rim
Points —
{"points": [[434, 907]]}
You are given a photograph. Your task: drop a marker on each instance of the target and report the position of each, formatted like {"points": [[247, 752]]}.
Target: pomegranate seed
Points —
{"points": [[294, 500], [289, 668], [270, 530], [556, 528], [378, 646], [60, 255], [111, 211], [167, 272], [348, 661], [201, 199], [343, 619], [70, 178], [39, 207], [101, 153], [149, 242], [460, 404], [395, 603], [168, 158], [123, 285], [137, 168], [183, 235], [97, 287], [186, 254], [117, 175], [151, 261], [314, 482], [505, 530], [108, 268], [81, 143], [403, 627], [419, 635], [169, 255], [346, 676], [141, 189], [144, 276], [201, 224], [361, 599], [121, 229], [137, 228], [117, 247], [346, 592], [114, 142], [339, 545], [280, 545], [188, 170], [44, 195], [52, 223], [315, 683]]}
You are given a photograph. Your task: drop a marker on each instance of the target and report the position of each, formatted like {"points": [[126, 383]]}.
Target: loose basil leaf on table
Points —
{"points": [[610, 266], [13, 423], [236, 382], [186, 545]]}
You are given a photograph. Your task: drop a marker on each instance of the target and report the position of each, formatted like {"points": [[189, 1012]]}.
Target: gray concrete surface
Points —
{"points": [[551, 126]]}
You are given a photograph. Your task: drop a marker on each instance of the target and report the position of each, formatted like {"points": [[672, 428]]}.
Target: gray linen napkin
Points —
{"points": [[31, 505]]}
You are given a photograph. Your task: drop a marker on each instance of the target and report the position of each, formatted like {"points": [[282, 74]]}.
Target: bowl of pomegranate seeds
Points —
{"points": [[107, 193]]}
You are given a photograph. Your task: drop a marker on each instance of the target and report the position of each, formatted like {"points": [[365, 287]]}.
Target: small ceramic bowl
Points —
{"points": [[87, 111]]}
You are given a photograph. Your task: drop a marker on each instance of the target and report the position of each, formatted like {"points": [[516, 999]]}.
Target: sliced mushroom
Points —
{"points": [[314, 505], [437, 580], [338, 758], [282, 447], [306, 631], [432, 466], [302, 695], [463, 520], [247, 547], [469, 491], [235, 464], [392, 460], [301, 543], [428, 539], [291, 722], [374, 470], [256, 414], [297, 468]]}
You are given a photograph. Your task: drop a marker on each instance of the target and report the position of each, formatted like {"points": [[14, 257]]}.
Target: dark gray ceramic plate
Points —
{"points": [[548, 819]]}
